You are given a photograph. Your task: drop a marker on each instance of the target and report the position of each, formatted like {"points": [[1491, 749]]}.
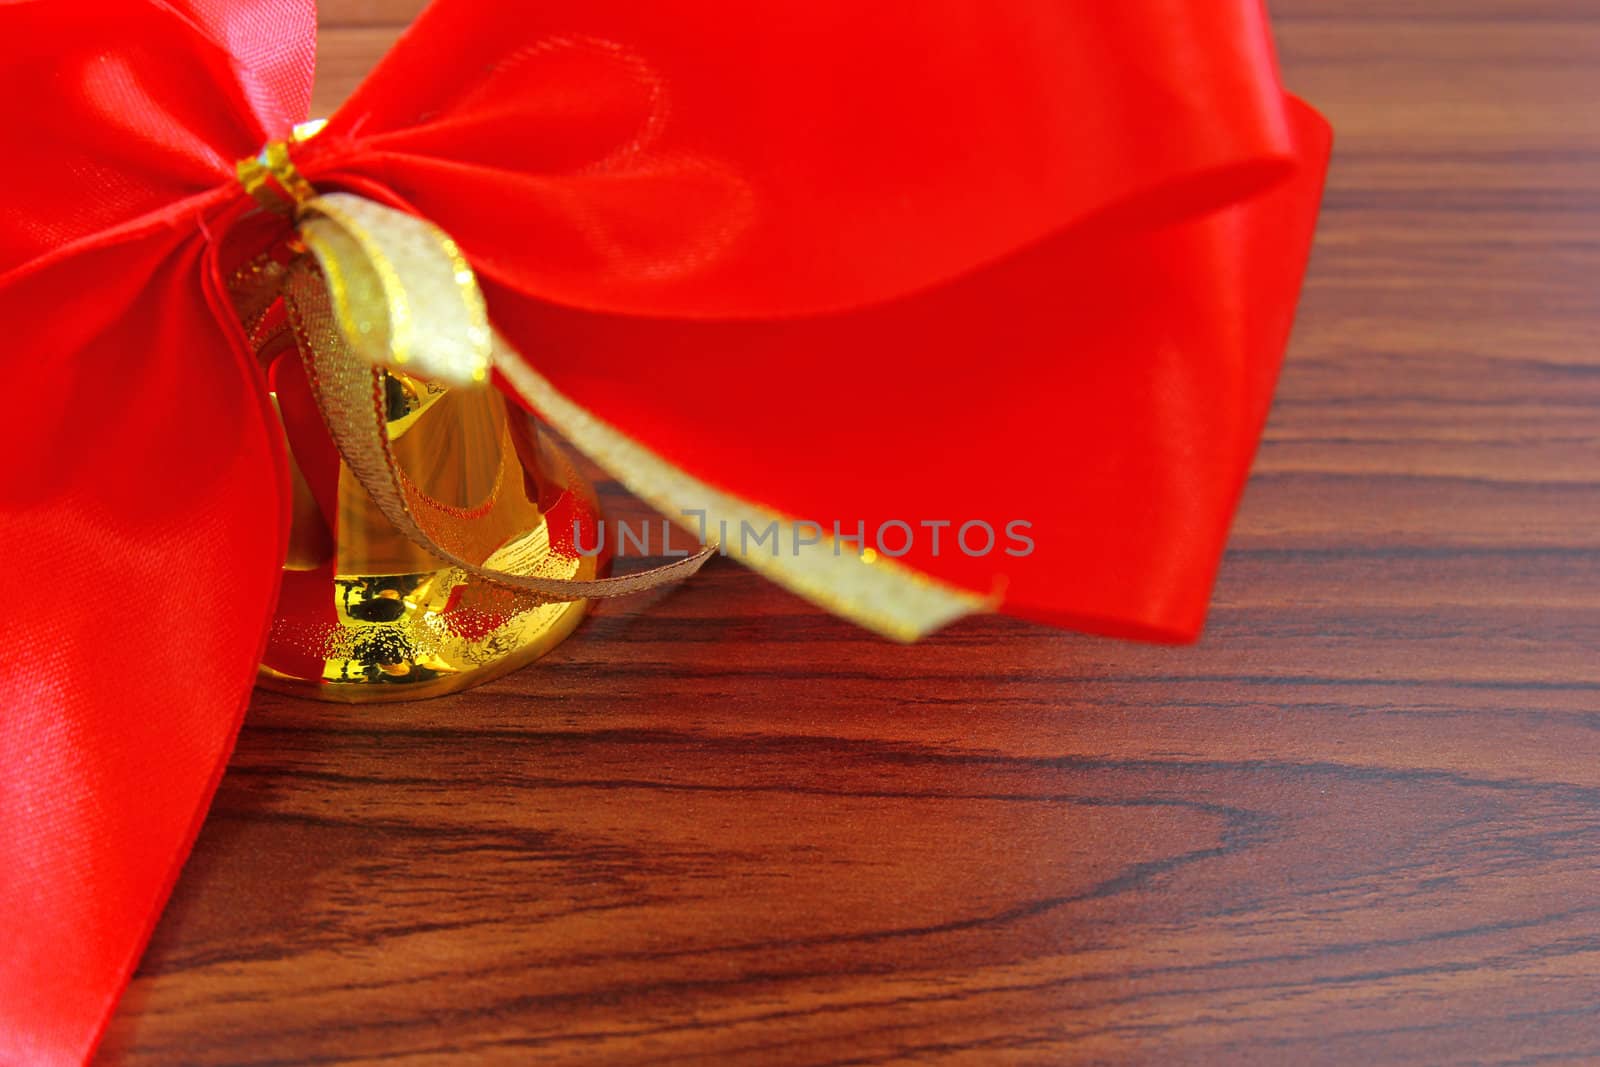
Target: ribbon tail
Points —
{"points": [[869, 589], [141, 507]]}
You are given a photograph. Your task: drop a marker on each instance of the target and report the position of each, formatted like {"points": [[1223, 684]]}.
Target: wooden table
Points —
{"points": [[1360, 823]]}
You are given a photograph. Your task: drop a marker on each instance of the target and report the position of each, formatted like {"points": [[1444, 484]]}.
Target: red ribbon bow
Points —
{"points": [[858, 262]]}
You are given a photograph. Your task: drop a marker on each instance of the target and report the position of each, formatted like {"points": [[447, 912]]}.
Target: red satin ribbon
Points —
{"points": [[856, 262]]}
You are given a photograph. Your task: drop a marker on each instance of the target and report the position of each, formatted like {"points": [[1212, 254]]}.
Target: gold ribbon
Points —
{"points": [[272, 178], [379, 288]]}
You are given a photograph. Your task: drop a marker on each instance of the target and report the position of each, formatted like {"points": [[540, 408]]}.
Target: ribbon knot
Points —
{"points": [[272, 178]]}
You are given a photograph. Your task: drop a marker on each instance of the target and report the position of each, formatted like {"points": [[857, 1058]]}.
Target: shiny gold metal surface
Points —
{"points": [[366, 614]]}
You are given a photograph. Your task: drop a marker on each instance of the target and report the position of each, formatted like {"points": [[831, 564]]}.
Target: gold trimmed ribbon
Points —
{"points": [[379, 288]]}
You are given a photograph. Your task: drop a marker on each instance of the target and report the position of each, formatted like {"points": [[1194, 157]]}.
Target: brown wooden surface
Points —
{"points": [[1359, 824]]}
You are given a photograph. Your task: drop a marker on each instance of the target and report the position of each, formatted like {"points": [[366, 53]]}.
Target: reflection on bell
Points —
{"points": [[365, 614]]}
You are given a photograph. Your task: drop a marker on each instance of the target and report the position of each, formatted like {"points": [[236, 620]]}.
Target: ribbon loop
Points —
{"points": [[403, 294]]}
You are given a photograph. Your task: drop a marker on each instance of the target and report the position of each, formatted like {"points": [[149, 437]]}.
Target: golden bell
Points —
{"points": [[367, 615]]}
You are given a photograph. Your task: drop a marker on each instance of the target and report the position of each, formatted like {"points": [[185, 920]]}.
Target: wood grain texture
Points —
{"points": [[1360, 823]]}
